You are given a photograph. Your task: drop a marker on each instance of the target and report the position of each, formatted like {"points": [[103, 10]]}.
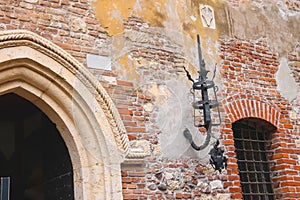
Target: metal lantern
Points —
{"points": [[217, 159], [203, 107], [202, 104]]}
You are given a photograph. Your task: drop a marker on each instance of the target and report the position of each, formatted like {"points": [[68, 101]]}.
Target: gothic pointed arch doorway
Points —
{"points": [[84, 115], [33, 155]]}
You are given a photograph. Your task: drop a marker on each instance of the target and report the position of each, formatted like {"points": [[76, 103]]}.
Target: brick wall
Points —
{"points": [[159, 177], [67, 23], [293, 5], [249, 71], [248, 76]]}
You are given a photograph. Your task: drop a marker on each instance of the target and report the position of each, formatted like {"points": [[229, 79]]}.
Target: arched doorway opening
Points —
{"points": [[72, 98], [32, 152]]}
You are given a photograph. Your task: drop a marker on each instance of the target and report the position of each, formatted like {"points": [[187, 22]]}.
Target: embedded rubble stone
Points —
{"points": [[173, 185], [162, 187], [152, 186], [216, 184]]}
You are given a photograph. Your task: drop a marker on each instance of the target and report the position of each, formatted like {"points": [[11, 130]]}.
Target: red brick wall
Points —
{"points": [[293, 5], [53, 20], [249, 71], [249, 90]]}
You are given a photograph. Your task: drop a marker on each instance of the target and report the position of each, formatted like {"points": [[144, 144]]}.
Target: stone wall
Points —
{"points": [[138, 51]]}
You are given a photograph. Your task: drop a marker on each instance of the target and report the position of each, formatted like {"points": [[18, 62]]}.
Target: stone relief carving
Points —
{"points": [[207, 16], [2, 27], [77, 24], [140, 148]]}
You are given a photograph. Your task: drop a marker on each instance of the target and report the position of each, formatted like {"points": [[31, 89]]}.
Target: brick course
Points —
{"points": [[53, 21], [247, 71]]}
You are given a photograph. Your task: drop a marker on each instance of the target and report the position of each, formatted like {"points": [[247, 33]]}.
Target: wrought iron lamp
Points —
{"points": [[203, 106]]}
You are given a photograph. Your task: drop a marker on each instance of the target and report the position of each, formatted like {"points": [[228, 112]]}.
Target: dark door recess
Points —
{"points": [[32, 153], [251, 140]]}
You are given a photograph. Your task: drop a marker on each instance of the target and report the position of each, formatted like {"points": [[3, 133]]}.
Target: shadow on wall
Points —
{"points": [[175, 114]]}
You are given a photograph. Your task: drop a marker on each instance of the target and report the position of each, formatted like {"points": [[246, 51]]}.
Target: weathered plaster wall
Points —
{"points": [[270, 19], [153, 40], [138, 48], [179, 21]]}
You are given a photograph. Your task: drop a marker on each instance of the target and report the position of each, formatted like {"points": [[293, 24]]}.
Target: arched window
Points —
{"points": [[251, 140]]}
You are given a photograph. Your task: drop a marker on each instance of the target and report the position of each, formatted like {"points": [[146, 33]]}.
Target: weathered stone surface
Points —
{"points": [[293, 115], [156, 149], [207, 16], [162, 187], [286, 83], [98, 62], [159, 175], [216, 184], [148, 107], [77, 24], [173, 185], [109, 79], [168, 175], [152, 186], [199, 169], [141, 146]]}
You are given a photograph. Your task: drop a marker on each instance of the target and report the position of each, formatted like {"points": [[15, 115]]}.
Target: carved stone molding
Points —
{"points": [[13, 38]]}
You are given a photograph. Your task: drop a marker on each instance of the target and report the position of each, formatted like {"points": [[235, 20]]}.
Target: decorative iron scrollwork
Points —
{"points": [[203, 104], [217, 159]]}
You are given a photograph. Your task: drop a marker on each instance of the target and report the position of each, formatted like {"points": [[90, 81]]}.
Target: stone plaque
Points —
{"points": [[207, 16]]}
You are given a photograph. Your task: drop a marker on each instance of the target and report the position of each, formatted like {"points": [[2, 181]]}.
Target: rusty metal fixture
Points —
{"points": [[202, 104], [200, 93], [187, 134], [217, 159]]}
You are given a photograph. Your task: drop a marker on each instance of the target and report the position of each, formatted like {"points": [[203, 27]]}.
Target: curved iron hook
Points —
{"points": [[187, 134]]}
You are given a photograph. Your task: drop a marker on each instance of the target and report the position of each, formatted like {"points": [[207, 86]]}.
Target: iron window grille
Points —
{"points": [[251, 142]]}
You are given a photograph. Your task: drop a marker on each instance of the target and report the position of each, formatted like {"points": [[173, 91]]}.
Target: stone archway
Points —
{"points": [[33, 156], [74, 100]]}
